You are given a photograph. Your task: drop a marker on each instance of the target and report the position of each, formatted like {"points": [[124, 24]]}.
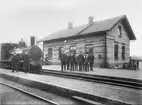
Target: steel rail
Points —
{"points": [[29, 93], [98, 79]]}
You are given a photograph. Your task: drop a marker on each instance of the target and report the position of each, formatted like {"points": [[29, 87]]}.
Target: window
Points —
{"points": [[120, 31], [89, 48], [116, 52], [73, 49], [50, 52], [60, 49], [123, 52]]}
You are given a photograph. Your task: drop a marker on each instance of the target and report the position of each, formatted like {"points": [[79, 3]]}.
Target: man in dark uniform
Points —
{"points": [[63, 61], [72, 59], [26, 62], [91, 61], [76, 63], [20, 63], [80, 60], [86, 63], [14, 62], [68, 61]]}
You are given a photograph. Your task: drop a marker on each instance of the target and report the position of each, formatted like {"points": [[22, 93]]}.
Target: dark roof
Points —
{"points": [[97, 26], [64, 33]]}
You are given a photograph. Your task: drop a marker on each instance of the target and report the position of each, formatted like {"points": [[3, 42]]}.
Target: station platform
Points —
{"points": [[122, 73], [108, 94]]}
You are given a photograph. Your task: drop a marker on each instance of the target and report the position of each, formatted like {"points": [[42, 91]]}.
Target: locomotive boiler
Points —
{"points": [[35, 55]]}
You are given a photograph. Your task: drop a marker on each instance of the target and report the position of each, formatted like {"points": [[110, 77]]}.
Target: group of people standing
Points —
{"points": [[77, 62], [24, 59]]}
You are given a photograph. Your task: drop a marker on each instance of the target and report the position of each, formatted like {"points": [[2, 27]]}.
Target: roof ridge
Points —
{"points": [[96, 26], [122, 17], [85, 28]]}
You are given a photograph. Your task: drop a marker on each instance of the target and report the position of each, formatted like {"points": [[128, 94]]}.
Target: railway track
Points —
{"points": [[30, 94], [77, 99], [117, 81]]}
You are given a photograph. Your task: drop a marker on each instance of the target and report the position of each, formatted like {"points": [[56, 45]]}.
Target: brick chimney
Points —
{"points": [[70, 25], [90, 20]]}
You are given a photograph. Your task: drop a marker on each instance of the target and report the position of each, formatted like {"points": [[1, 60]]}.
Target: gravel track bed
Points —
{"points": [[47, 95], [10, 96]]}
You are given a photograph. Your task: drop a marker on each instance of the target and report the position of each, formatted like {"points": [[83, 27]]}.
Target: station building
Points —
{"points": [[108, 40]]}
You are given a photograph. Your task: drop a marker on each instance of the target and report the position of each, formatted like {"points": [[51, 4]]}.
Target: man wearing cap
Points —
{"points": [[63, 61], [86, 63], [26, 62], [68, 61], [72, 60], [14, 62], [76, 62], [80, 60], [91, 61]]}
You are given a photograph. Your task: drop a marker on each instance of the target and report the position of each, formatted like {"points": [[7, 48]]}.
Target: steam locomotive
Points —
{"points": [[7, 50]]}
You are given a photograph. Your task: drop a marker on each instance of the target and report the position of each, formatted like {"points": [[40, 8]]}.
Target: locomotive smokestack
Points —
{"points": [[32, 40]]}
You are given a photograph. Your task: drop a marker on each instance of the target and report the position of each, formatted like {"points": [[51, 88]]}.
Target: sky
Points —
{"points": [[25, 18]]}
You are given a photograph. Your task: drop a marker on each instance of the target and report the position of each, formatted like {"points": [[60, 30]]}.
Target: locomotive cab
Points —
{"points": [[6, 50]]}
